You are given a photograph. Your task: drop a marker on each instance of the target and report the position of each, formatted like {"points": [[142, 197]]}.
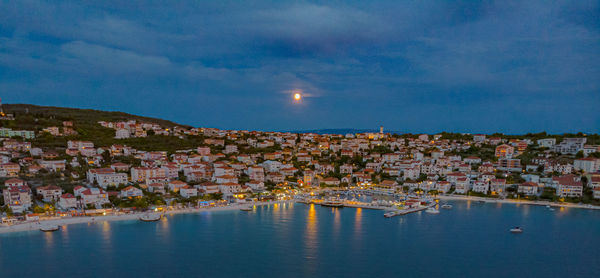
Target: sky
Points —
{"points": [[411, 66]]}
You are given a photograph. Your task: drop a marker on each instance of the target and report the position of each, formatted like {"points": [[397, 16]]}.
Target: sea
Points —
{"points": [[296, 240]]}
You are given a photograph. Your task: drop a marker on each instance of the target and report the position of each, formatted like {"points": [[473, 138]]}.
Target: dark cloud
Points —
{"points": [[411, 65]]}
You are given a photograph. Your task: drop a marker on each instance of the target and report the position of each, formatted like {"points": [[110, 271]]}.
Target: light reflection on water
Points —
{"points": [[314, 241], [106, 233]]}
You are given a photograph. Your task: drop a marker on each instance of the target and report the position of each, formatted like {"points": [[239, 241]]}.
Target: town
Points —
{"points": [[48, 171]]}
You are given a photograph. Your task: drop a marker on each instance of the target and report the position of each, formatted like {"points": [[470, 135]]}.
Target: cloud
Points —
{"points": [[390, 58]]}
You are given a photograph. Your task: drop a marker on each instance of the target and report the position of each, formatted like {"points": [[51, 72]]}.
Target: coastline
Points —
{"points": [[35, 225], [513, 201]]}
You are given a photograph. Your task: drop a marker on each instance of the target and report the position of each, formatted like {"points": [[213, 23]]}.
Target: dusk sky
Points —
{"points": [[412, 66]]}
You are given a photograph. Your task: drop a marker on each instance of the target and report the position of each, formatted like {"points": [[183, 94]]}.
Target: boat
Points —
{"points": [[333, 202], [389, 214], [432, 210], [151, 217], [548, 206], [446, 206], [246, 208], [516, 230], [49, 228]]}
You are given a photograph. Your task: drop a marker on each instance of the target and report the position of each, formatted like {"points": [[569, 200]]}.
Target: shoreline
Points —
{"points": [[514, 201], [35, 225]]}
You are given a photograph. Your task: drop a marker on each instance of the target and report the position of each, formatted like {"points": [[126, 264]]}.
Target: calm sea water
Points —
{"points": [[297, 240]]}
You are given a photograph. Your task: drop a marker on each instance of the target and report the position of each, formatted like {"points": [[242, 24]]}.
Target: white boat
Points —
{"points": [[246, 208], [49, 228], [446, 206], [389, 214], [516, 230], [151, 217], [333, 202], [432, 210]]}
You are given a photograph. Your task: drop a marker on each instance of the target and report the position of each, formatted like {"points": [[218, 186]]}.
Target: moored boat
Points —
{"points": [[446, 206], [247, 208], [432, 210], [516, 230], [151, 217], [49, 228], [332, 202]]}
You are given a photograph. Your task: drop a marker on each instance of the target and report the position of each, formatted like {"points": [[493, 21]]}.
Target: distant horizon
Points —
{"points": [[315, 130]]}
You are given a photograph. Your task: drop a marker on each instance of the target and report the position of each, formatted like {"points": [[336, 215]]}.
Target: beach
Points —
{"points": [[61, 221]]}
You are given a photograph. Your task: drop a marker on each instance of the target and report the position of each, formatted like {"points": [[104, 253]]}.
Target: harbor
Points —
{"points": [[392, 204]]}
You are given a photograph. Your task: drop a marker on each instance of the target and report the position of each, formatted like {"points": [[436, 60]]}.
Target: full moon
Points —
{"points": [[297, 96]]}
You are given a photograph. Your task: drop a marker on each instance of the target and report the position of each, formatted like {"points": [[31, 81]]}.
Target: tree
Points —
{"points": [[38, 209], [579, 154]]}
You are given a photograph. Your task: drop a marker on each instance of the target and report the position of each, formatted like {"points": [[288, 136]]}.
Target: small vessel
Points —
{"points": [[548, 206], [389, 214], [151, 217], [332, 202], [49, 228], [446, 206], [516, 230], [551, 209], [432, 210], [246, 208]]}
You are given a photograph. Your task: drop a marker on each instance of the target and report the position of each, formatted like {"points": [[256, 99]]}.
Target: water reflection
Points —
{"points": [[163, 225], [358, 221], [49, 239], [336, 222], [526, 210], [311, 230], [106, 233]]}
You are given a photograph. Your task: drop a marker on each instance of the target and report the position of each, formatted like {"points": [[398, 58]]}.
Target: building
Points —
{"points": [[140, 174], [568, 186], [26, 134], [509, 164], [208, 187], [131, 192], [256, 185], [528, 188], [18, 198], [49, 193], [462, 185], [546, 142], [67, 201], [9, 169], [188, 192], [481, 187], [570, 145], [94, 196], [504, 151], [479, 138], [176, 185], [157, 188], [587, 165], [228, 189]]}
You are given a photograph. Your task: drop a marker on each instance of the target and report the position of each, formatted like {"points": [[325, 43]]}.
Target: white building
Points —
{"points": [[67, 201]]}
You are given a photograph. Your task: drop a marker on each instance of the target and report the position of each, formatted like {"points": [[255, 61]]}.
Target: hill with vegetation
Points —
{"points": [[85, 122]]}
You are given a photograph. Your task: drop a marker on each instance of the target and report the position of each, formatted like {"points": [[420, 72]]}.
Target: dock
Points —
{"points": [[412, 210]]}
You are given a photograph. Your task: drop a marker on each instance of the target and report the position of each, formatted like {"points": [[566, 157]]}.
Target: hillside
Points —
{"points": [[81, 116], [85, 122]]}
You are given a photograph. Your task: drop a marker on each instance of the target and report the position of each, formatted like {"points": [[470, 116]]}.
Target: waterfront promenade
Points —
{"points": [[61, 221]]}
